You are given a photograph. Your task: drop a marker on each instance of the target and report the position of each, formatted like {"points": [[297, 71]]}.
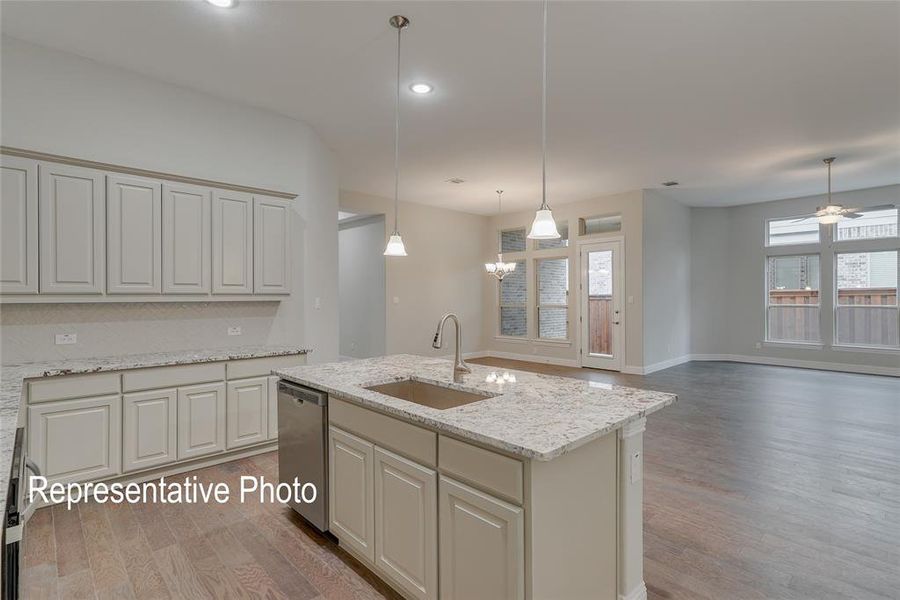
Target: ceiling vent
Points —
{"points": [[455, 180], [669, 183]]}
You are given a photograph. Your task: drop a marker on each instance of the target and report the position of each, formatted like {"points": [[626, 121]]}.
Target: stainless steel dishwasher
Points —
{"points": [[303, 446]]}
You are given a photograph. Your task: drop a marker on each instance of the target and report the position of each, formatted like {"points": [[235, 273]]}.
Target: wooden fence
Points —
{"points": [[855, 323], [600, 324]]}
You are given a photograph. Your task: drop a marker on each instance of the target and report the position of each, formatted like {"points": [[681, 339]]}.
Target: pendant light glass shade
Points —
{"points": [[544, 227], [395, 246]]}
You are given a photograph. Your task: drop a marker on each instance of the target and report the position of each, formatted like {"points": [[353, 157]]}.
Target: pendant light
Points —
{"points": [[544, 227], [395, 243], [500, 269]]}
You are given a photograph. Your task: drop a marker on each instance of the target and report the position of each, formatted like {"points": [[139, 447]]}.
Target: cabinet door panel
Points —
{"points": [[72, 224], [350, 497], [482, 544], [406, 523], [186, 239], [232, 235], [149, 429], [248, 412], [18, 226], [272, 244], [76, 440], [133, 225], [201, 420]]}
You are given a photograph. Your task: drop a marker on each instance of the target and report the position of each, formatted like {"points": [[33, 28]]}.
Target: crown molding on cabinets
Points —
{"points": [[90, 164]]}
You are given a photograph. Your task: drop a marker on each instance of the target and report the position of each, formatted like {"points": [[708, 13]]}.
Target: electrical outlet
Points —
{"points": [[66, 338], [318, 303], [234, 331], [758, 345], [637, 467], [396, 299]]}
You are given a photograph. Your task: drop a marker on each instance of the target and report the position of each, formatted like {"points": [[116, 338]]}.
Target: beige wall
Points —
{"points": [[630, 206], [443, 273], [63, 104]]}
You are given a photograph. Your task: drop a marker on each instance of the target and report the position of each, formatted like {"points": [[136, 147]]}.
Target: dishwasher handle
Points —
{"points": [[302, 394]]}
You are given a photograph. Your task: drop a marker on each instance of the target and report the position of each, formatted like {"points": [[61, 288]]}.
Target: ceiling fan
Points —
{"points": [[832, 213]]}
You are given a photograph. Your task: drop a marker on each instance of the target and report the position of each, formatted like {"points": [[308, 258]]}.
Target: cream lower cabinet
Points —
{"points": [[76, 440], [247, 412], [406, 524], [482, 542], [351, 492], [201, 420], [149, 429]]}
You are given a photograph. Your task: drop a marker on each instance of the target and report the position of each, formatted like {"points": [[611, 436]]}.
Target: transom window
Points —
{"points": [[795, 230], [868, 225]]}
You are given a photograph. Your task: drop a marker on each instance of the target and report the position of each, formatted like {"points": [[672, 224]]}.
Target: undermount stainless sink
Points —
{"points": [[428, 394]]}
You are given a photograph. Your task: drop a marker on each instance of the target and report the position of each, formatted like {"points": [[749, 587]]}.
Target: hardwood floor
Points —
{"points": [[762, 482]]}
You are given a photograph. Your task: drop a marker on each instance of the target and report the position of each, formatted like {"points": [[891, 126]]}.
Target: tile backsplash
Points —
{"points": [[27, 331]]}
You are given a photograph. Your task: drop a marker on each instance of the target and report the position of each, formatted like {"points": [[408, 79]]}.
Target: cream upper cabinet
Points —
{"points": [[76, 440], [232, 237], [201, 420], [350, 498], [272, 245], [187, 262], [72, 229], [247, 412], [149, 425], [133, 230], [18, 226], [406, 524], [482, 545]]}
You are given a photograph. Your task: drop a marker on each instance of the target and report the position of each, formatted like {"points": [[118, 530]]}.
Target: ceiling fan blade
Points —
{"points": [[801, 219], [872, 208], [851, 215]]}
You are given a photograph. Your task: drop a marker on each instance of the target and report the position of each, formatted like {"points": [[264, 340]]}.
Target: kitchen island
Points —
{"points": [[506, 484]]}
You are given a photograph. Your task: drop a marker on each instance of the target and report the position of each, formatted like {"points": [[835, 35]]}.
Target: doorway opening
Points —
{"points": [[361, 285], [602, 314]]}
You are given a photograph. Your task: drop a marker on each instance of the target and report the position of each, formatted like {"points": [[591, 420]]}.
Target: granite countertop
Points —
{"points": [[537, 416], [11, 377]]}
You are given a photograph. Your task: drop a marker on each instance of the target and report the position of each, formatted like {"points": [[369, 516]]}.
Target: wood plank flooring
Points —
{"points": [[761, 483]]}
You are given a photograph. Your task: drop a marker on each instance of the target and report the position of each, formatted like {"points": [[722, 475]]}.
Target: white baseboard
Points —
{"points": [[801, 364], [535, 358], [664, 364], [638, 593]]}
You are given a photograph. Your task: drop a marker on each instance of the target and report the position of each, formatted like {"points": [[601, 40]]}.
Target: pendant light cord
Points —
{"points": [[397, 143], [544, 117]]}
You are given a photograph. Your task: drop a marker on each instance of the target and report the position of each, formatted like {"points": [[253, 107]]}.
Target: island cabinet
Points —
{"points": [[438, 516], [137, 421], [18, 226]]}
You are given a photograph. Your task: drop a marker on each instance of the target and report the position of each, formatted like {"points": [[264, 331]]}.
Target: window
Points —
{"points": [[599, 224], [794, 230], [553, 298], [793, 298], [562, 242], [513, 295], [866, 311], [512, 240], [872, 224]]}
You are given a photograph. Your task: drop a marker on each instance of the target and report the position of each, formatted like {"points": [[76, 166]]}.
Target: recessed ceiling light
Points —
{"points": [[669, 183], [421, 88], [223, 3]]}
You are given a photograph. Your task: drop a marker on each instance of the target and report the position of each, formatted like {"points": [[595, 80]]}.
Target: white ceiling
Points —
{"points": [[737, 101]]}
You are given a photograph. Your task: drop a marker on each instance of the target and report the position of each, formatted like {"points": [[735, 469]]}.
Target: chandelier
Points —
{"points": [[500, 269]]}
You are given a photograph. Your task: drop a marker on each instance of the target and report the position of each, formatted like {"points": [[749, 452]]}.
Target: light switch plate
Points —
{"points": [[66, 338], [234, 331]]}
